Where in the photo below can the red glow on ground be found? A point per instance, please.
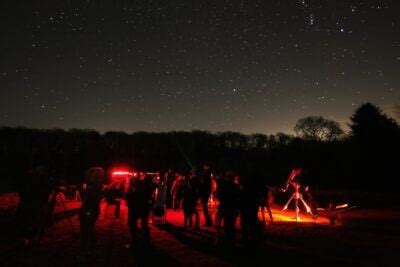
(279, 216)
(290, 216)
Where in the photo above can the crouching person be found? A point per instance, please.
(90, 210)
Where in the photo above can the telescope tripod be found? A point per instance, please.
(49, 217)
(297, 196)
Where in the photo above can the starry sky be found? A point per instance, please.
(217, 65)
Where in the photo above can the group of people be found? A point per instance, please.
(236, 196)
(139, 199)
(186, 191)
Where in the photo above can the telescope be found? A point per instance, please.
(296, 196)
(289, 180)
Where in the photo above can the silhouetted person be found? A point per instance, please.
(229, 200)
(160, 206)
(204, 189)
(140, 203)
(214, 185)
(33, 208)
(91, 197)
(220, 181)
(169, 178)
(189, 204)
(177, 191)
(264, 203)
(112, 194)
(252, 188)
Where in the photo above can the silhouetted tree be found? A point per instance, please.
(258, 141)
(318, 128)
(369, 123)
(283, 139)
(336, 162)
(333, 130)
(375, 139)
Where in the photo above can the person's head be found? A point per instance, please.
(206, 167)
(236, 180)
(148, 178)
(142, 176)
(95, 176)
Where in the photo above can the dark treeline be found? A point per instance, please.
(366, 158)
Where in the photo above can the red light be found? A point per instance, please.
(122, 173)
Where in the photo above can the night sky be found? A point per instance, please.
(248, 66)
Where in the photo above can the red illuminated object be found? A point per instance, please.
(122, 173)
(296, 196)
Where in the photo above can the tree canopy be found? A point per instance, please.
(318, 128)
(369, 123)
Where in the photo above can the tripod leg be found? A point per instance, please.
(270, 212)
(305, 205)
(48, 216)
(69, 219)
(288, 202)
(261, 208)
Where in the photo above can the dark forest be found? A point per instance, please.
(365, 158)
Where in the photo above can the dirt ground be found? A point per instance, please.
(359, 238)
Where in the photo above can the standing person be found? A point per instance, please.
(33, 208)
(77, 194)
(220, 181)
(169, 179)
(264, 203)
(229, 197)
(252, 188)
(140, 203)
(204, 180)
(189, 204)
(160, 199)
(91, 197)
(176, 191)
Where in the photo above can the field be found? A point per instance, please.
(359, 237)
